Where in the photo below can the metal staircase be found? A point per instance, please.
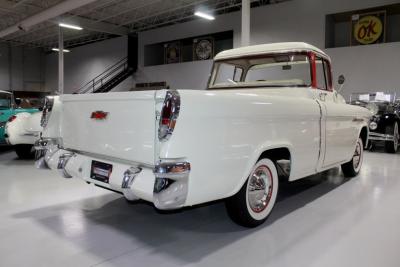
(109, 79)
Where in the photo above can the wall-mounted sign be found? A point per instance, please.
(368, 28)
(172, 53)
(203, 48)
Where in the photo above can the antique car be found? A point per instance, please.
(385, 121)
(266, 107)
(8, 110)
(22, 131)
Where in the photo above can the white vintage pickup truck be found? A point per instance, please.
(269, 114)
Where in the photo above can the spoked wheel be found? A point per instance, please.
(251, 206)
(353, 167)
(392, 146)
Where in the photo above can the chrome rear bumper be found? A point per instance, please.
(166, 184)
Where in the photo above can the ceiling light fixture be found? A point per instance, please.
(204, 15)
(64, 50)
(69, 26)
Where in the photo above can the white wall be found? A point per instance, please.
(367, 68)
(21, 68)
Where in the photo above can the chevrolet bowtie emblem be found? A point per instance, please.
(99, 115)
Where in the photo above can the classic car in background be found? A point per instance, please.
(264, 105)
(384, 124)
(22, 131)
(8, 109)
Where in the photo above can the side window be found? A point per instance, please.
(322, 78)
(227, 74)
(328, 75)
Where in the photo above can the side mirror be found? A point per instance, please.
(18, 101)
(341, 79)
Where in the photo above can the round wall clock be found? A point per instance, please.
(204, 49)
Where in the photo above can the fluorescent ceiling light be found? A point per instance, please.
(204, 15)
(69, 26)
(64, 50)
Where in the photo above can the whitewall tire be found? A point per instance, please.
(254, 202)
(353, 167)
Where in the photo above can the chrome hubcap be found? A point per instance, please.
(357, 156)
(260, 189)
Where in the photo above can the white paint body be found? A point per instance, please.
(25, 129)
(222, 133)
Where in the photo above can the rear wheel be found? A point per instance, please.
(25, 151)
(353, 167)
(251, 206)
(392, 146)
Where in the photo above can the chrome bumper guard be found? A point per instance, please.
(45, 148)
(380, 137)
(171, 184)
(127, 181)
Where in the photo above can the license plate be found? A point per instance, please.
(100, 171)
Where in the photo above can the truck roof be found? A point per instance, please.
(268, 48)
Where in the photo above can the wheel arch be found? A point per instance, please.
(364, 132)
(274, 153)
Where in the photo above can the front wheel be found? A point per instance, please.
(392, 146)
(25, 151)
(251, 206)
(353, 167)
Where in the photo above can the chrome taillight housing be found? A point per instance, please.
(169, 115)
(47, 108)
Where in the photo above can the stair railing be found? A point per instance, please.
(97, 82)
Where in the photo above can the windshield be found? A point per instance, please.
(5, 101)
(359, 98)
(278, 70)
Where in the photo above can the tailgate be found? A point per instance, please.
(120, 125)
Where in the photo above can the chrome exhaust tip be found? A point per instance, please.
(62, 163)
(127, 181)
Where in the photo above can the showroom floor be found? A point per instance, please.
(320, 221)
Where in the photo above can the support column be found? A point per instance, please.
(60, 61)
(245, 36)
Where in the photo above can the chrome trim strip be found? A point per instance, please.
(380, 137)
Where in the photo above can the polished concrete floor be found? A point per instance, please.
(324, 220)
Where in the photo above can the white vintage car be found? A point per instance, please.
(270, 113)
(22, 131)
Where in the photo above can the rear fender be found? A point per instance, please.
(256, 156)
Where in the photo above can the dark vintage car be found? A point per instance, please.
(385, 121)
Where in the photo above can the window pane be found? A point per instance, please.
(291, 70)
(5, 101)
(321, 74)
(288, 70)
(227, 75)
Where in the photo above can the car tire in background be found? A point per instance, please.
(392, 146)
(253, 203)
(353, 167)
(25, 151)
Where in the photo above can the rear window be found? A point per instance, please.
(269, 71)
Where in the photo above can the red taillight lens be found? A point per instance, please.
(169, 115)
(166, 113)
(12, 118)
